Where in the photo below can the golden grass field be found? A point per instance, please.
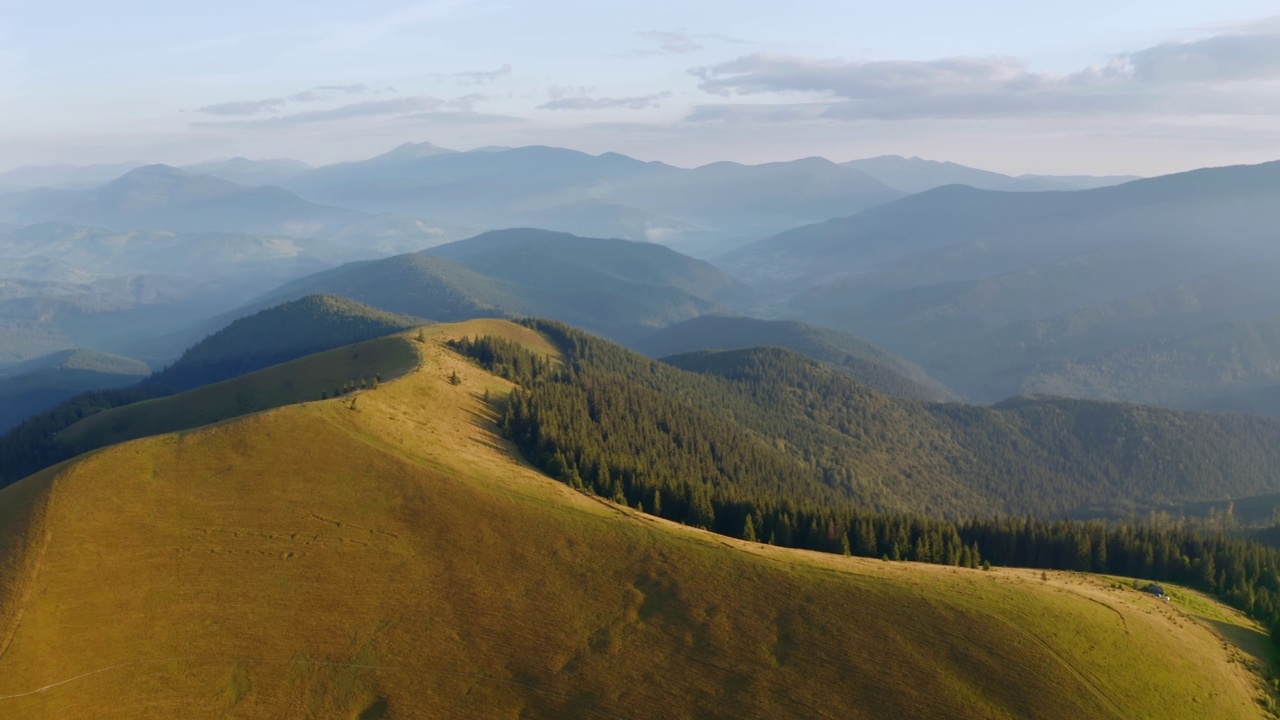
(388, 555)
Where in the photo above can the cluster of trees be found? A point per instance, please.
(354, 383)
(740, 451)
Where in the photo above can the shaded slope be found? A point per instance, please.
(1188, 369)
(37, 385)
(399, 561)
(994, 364)
(865, 362)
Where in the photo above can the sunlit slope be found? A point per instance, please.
(394, 559)
(293, 382)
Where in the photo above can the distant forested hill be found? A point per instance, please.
(1186, 369)
(866, 363)
(618, 288)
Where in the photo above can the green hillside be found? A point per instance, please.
(866, 363)
(284, 332)
(287, 331)
(37, 385)
(95, 420)
(387, 554)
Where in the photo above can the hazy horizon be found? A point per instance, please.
(1144, 89)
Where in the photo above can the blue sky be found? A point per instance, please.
(1084, 87)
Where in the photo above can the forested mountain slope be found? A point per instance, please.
(837, 440)
(866, 363)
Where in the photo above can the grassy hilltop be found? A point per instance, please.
(386, 554)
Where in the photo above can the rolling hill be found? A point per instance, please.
(387, 554)
(618, 288)
(278, 334)
(275, 335)
(865, 362)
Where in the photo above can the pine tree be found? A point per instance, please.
(749, 530)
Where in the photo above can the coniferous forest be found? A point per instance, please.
(767, 446)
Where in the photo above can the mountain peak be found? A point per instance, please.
(414, 151)
(157, 171)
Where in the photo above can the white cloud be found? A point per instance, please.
(670, 43)
(587, 103)
(1223, 74)
(258, 107)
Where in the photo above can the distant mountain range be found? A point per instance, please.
(243, 171)
(159, 197)
(988, 290)
(68, 177)
(701, 210)
(995, 285)
(915, 175)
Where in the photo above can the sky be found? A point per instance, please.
(1089, 87)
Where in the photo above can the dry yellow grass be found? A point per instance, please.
(396, 559)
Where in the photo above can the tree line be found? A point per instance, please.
(619, 426)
